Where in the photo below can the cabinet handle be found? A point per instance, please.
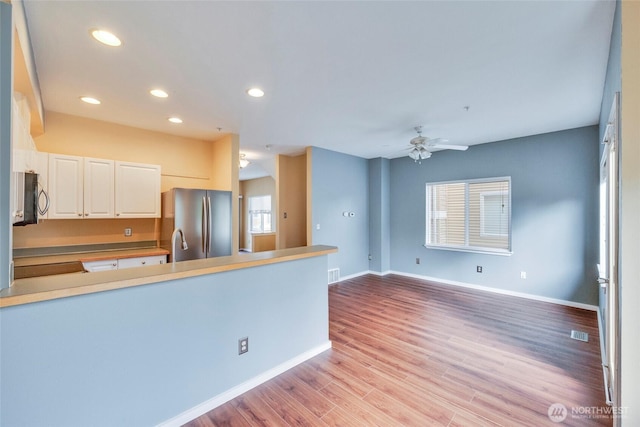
(117, 214)
(86, 214)
(144, 262)
(47, 201)
(114, 264)
(79, 214)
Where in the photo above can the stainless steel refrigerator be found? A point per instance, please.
(198, 220)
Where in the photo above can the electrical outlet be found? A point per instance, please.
(523, 274)
(243, 345)
(128, 232)
(479, 269)
(417, 260)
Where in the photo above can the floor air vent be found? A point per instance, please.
(334, 275)
(580, 336)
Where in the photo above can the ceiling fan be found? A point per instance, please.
(421, 146)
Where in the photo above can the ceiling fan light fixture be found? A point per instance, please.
(414, 154)
(243, 161)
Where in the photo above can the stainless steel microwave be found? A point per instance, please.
(26, 199)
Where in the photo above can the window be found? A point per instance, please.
(470, 215)
(260, 214)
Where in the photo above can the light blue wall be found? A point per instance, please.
(140, 356)
(6, 89)
(340, 184)
(379, 215)
(554, 215)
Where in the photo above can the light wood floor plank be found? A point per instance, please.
(408, 352)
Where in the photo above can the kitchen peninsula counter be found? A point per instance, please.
(31, 290)
(89, 256)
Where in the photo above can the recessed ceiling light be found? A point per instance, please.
(90, 100)
(255, 92)
(105, 37)
(176, 120)
(159, 93)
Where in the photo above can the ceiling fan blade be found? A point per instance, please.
(450, 147)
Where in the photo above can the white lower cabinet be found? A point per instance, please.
(104, 265)
(141, 261)
(119, 264)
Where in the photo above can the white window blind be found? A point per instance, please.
(260, 214)
(470, 215)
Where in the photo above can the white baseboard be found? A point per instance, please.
(236, 391)
(364, 273)
(379, 273)
(500, 291)
(353, 276)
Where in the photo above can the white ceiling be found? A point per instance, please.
(353, 77)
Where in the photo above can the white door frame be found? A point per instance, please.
(608, 266)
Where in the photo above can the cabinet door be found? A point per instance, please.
(98, 188)
(137, 190)
(24, 149)
(65, 186)
(104, 265)
(141, 261)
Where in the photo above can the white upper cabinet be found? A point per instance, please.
(24, 148)
(66, 176)
(137, 190)
(98, 188)
(83, 187)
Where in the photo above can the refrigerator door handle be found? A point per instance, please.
(208, 225)
(204, 226)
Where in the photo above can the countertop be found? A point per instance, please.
(88, 256)
(36, 289)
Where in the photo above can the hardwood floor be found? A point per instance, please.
(412, 353)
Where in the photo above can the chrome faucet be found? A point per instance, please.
(183, 242)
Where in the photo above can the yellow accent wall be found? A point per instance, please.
(185, 162)
(225, 172)
(65, 232)
(291, 192)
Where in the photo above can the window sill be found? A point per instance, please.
(475, 251)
